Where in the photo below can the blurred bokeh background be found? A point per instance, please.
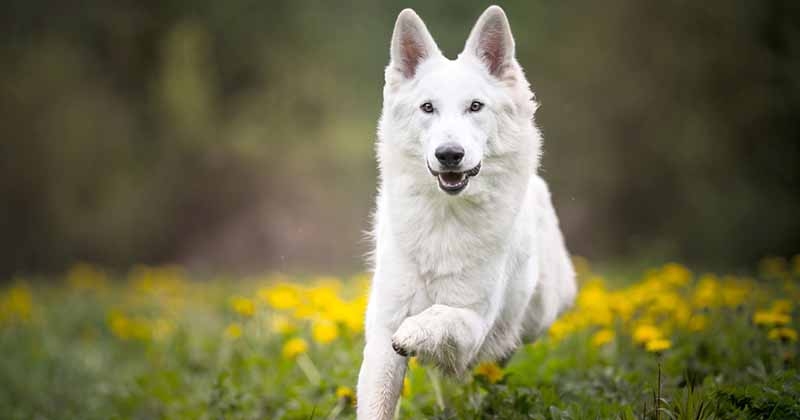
(238, 136)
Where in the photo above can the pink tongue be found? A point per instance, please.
(451, 177)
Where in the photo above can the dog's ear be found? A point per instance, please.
(411, 44)
(491, 41)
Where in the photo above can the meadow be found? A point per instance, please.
(159, 343)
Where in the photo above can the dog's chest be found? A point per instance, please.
(446, 242)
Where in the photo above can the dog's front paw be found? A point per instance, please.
(410, 339)
(400, 350)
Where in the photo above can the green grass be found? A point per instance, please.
(157, 344)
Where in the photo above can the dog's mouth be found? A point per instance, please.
(453, 182)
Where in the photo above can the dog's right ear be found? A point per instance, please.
(411, 45)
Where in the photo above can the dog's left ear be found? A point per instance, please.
(491, 41)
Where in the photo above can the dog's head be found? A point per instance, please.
(453, 116)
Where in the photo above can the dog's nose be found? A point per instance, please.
(449, 154)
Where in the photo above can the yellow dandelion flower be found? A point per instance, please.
(346, 393)
(129, 328)
(304, 310)
(621, 305)
(675, 274)
(560, 329)
(735, 290)
(413, 363)
(323, 296)
(406, 387)
(782, 306)
(646, 332)
(603, 337)
(489, 370)
(707, 292)
(782, 334)
(119, 325)
(16, 304)
(354, 319)
(244, 307)
(593, 294)
(281, 296)
(324, 331)
(770, 318)
(233, 331)
(658, 345)
(350, 314)
(294, 347)
(698, 323)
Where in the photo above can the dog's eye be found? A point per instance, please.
(427, 107)
(475, 106)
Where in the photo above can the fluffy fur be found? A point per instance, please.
(465, 277)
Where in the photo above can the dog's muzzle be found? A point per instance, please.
(453, 182)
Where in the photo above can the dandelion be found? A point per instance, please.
(735, 290)
(621, 306)
(233, 331)
(350, 314)
(603, 337)
(413, 363)
(645, 333)
(129, 328)
(782, 334)
(675, 274)
(698, 323)
(706, 293)
(782, 306)
(406, 387)
(346, 394)
(324, 331)
(119, 325)
(244, 307)
(16, 304)
(768, 318)
(561, 328)
(281, 296)
(489, 370)
(658, 345)
(294, 347)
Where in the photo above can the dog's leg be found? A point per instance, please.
(380, 379)
(447, 335)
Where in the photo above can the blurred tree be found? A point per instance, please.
(239, 135)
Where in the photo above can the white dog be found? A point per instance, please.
(469, 258)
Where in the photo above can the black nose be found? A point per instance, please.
(449, 154)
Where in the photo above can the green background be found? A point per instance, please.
(238, 135)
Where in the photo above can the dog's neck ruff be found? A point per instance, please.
(447, 235)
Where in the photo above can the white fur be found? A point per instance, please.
(467, 277)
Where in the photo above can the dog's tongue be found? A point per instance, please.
(451, 177)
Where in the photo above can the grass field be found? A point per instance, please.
(154, 343)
